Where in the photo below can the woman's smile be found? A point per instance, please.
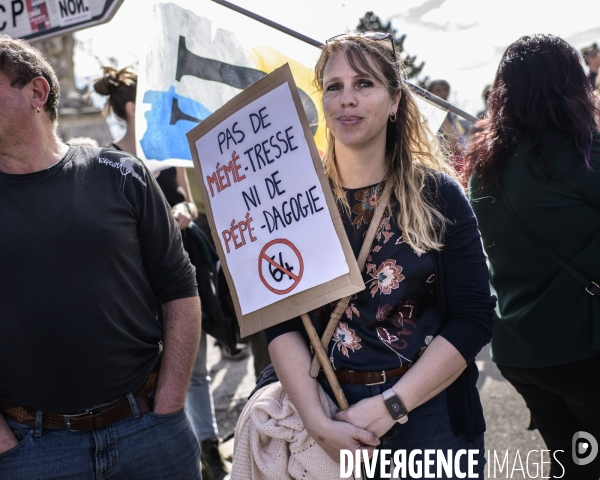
(349, 120)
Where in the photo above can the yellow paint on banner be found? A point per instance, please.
(268, 59)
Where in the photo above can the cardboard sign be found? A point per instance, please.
(271, 210)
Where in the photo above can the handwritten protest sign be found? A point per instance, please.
(271, 210)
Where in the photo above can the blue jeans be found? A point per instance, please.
(199, 403)
(428, 427)
(148, 447)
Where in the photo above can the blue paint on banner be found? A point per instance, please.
(169, 119)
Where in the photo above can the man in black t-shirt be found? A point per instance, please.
(87, 245)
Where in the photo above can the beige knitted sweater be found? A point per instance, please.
(271, 442)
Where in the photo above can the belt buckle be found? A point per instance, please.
(378, 383)
(67, 418)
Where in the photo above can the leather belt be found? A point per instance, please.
(366, 378)
(90, 420)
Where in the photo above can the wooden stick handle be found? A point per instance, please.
(322, 356)
(338, 311)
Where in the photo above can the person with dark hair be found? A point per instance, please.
(591, 57)
(403, 348)
(534, 168)
(92, 384)
(440, 88)
(21, 63)
(120, 88)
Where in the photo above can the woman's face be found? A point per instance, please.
(357, 106)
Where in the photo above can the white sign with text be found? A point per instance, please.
(41, 19)
(267, 202)
(73, 11)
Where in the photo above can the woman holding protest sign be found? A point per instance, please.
(404, 347)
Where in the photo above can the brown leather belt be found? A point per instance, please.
(366, 378)
(90, 420)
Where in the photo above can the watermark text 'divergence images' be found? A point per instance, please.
(431, 463)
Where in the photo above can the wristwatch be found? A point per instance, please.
(395, 407)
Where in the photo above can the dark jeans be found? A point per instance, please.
(563, 400)
(428, 427)
(150, 447)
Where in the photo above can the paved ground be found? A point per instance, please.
(507, 420)
(506, 415)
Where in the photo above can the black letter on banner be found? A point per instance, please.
(262, 117)
(188, 63)
(177, 114)
(14, 3)
(274, 184)
(254, 199)
(4, 24)
(63, 8)
(252, 117)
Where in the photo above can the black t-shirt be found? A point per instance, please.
(85, 247)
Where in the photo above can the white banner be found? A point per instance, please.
(199, 56)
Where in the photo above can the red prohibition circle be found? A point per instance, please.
(265, 257)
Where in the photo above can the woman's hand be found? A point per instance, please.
(369, 414)
(182, 215)
(333, 436)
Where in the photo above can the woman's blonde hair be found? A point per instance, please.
(412, 153)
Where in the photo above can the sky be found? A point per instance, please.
(460, 41)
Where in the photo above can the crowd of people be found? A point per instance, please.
(109, 272)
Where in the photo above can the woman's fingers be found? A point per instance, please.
(335, 436)
(366, 438)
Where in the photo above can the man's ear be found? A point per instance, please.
(40, 90)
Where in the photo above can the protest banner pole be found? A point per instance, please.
(270, 23)
(315, 43)
(441, 103)
(322, 356)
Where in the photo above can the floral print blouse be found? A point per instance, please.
(392, 321)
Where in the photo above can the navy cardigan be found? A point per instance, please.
(466, 307)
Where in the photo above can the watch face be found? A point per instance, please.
(395, 407)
